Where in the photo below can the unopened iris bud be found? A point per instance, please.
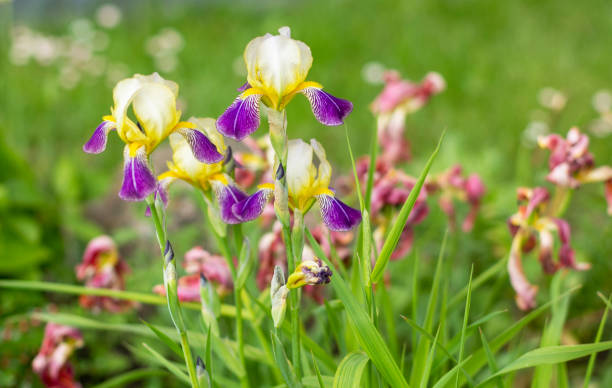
(210, 304)
(309, 272)
(278, 296)
(202, 374)
(168, 252)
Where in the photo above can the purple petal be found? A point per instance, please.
(241, 118)
(228, 196)
(97, 141)
(138, 179)
(244, 87)
(252, 206)
(337, 215)
(203, 149)
(329, 110)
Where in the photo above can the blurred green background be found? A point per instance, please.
(61, 59)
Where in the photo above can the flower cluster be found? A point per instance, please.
(398, 99)
(51, 363)
(103, 268)
(534, 225)
(199, 262)
(538, 218)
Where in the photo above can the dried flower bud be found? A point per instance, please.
(278, 295)
(311, 272)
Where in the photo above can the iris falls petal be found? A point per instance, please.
(203, 149)
(337, 215)
(251, 207)
(227, 196)
(138, 179)
(97, 141)
(241, 118)
(328, 110)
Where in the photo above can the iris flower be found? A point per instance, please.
(306, 184)
(277, 67)
(153, 101)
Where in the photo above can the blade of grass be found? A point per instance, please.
(490, 358)
(317, 371)
(283, 362)
(429, 362)
(167, 364)
(124, 379)
(372, 167)
(164, 338)
(226, 310)
(602, 324)
(466, 315)
(474, 362)
(498, 267)
(334, 324)
(551, 355)
(350, 370)
(400, 222)
(543, 374)
(369, 338)
(420, 355)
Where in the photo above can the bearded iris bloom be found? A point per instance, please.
(306, 185)
(277, 68)
(153, 102)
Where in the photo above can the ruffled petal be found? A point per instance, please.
(252, 207)
(97, 141)
(138, 179)
(203, 149)
(241, 118)
(337, 215)
(227, 196)
(328, 110)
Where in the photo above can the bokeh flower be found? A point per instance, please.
(533, 226)
(51, 363)
(398, 99)
(277, 67)
(571, 164)
(153, 101)
(103, 268)
(199, 262)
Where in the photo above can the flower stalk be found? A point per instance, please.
(169, 270)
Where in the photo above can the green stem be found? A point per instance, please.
(294, 302)
(161, 239)
(238, 302)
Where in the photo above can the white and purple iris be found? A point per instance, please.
(277, 67)
(153, 101)
(306, 184)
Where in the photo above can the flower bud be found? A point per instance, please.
(202, 374)
(278, 296)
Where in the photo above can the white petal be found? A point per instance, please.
(299, 167)
(155, 108)
(324, 176)
(277, 63)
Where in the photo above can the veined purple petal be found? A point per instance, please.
(203, 149)
(337, 215)
(97, 141)
(138, 179)
(252, 207)
(241, 118)
(228, 196)
(328, 110)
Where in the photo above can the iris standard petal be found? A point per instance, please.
(138, 179)
(203, 149)
(252, 207)
(241, 118)
(337, 215)
(227, 196)
(155, 107)
(328, 110)
(97, 141)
